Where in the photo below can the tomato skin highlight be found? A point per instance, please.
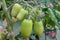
(26, 28)
(15, 9)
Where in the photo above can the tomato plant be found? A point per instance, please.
(27, 18)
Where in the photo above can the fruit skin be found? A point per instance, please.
(26, 28)
(38, 28)
(15, 9)
(21, 14)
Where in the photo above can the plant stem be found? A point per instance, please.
(8, 18)
(38, 38)
(27, 39)
(36, 2)
(45, 20)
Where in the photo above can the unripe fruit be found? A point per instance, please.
(15, 9)
(21, 14)
(26, 28)
(38, 28)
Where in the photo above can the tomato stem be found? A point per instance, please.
(27, 39)
(8, 18)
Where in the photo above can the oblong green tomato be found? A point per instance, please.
(26, 28)
(38, 28)
(21, 14)
(15, 9)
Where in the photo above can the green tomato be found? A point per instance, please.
(38, 27)
(15, 9)
(26, 28)
(21, 14)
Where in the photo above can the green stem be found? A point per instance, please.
(45, 28)
(38, 38)
(36, 2)
(8, 18)
(45, 20)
